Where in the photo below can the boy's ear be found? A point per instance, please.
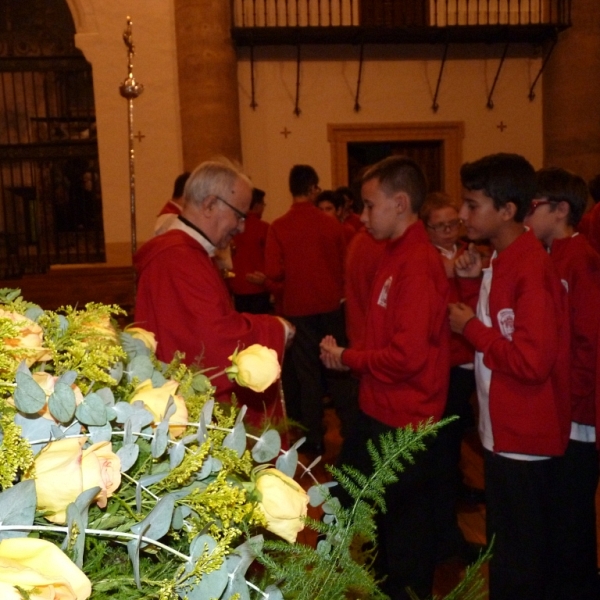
(402, 201)
(508, 211)
(563, 208)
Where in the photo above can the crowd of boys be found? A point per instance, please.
(428, 319)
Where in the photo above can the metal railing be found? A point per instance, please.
(399, 13)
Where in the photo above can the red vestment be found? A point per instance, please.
(182, 298)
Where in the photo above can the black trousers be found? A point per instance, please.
(576, 571)
(522, 513)
(256, 304)
(304, 378)
(450, 539)
(406, 532)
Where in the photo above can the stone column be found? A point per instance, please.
(571, 96)
(208, 88)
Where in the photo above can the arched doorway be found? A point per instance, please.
(50, 198)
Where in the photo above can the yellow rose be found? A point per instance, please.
(256, 367)
(155, 400)
(284, 503)
(101, 329)
(41, 569)
(63, 471)
(30, 338)
(145, 336)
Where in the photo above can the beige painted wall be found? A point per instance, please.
(99, 25)
(392, 91)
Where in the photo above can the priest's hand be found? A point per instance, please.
(331, 354)
(257, 278)
(289, 329)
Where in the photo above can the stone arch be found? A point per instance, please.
(84, 16)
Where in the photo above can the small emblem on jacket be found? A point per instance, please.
(383, 295)
(506, 322)
(565, 284)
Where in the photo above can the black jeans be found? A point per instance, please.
(406, 532)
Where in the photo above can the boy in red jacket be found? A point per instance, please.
(553, 216)
(520, 334)
(403, 365)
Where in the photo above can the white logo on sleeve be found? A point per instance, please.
(383, 295)
(506, 322)
(565, 284)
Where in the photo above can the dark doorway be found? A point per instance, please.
(427, 153)
(50, 198)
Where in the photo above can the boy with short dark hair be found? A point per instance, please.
(554, 214)
(403, 365)
(520, 334)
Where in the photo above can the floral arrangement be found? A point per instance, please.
(122, 478)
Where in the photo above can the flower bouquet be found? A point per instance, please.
(122, 478)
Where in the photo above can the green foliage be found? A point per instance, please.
(334, 572)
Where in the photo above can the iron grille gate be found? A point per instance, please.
(50, 200)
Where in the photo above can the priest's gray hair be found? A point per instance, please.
(213, 178)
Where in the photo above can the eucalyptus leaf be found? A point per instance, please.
(107, 396)
(34, 313)
(92, 411)
(267, 447)
(62, 403)
(247, 553)
(133, 549)
(328, 519)
(158, 379)
(17, 507)
(159, 519)
(123, 410)
(140, 367)
(236, 439)
(273, 593)
(332, 506)
(63, 323)
(128, 454)
(201, 383)
(29, 397)
(324, 548)
(206, 469)
(56, 431)
(241, 414)
(202, 433)
(207, 410)
(128, 437)
(176, 454)
(210, 586)
(116, 372)
(200, 544)
(288, 462)
(100, 434)
(318, 493)
(160, 439)
(68, 378)
(236, 584)
(33, 429)
(140, 417)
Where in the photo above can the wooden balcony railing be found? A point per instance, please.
(397, 21)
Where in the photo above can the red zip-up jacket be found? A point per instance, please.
(405, 363)
(578, 266)
(529, 390)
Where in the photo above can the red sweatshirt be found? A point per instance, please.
(405, 364)
(529, 389)
(305, 251)
(182, 298)
(362, 260)
(248, 255)
(578, 266)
